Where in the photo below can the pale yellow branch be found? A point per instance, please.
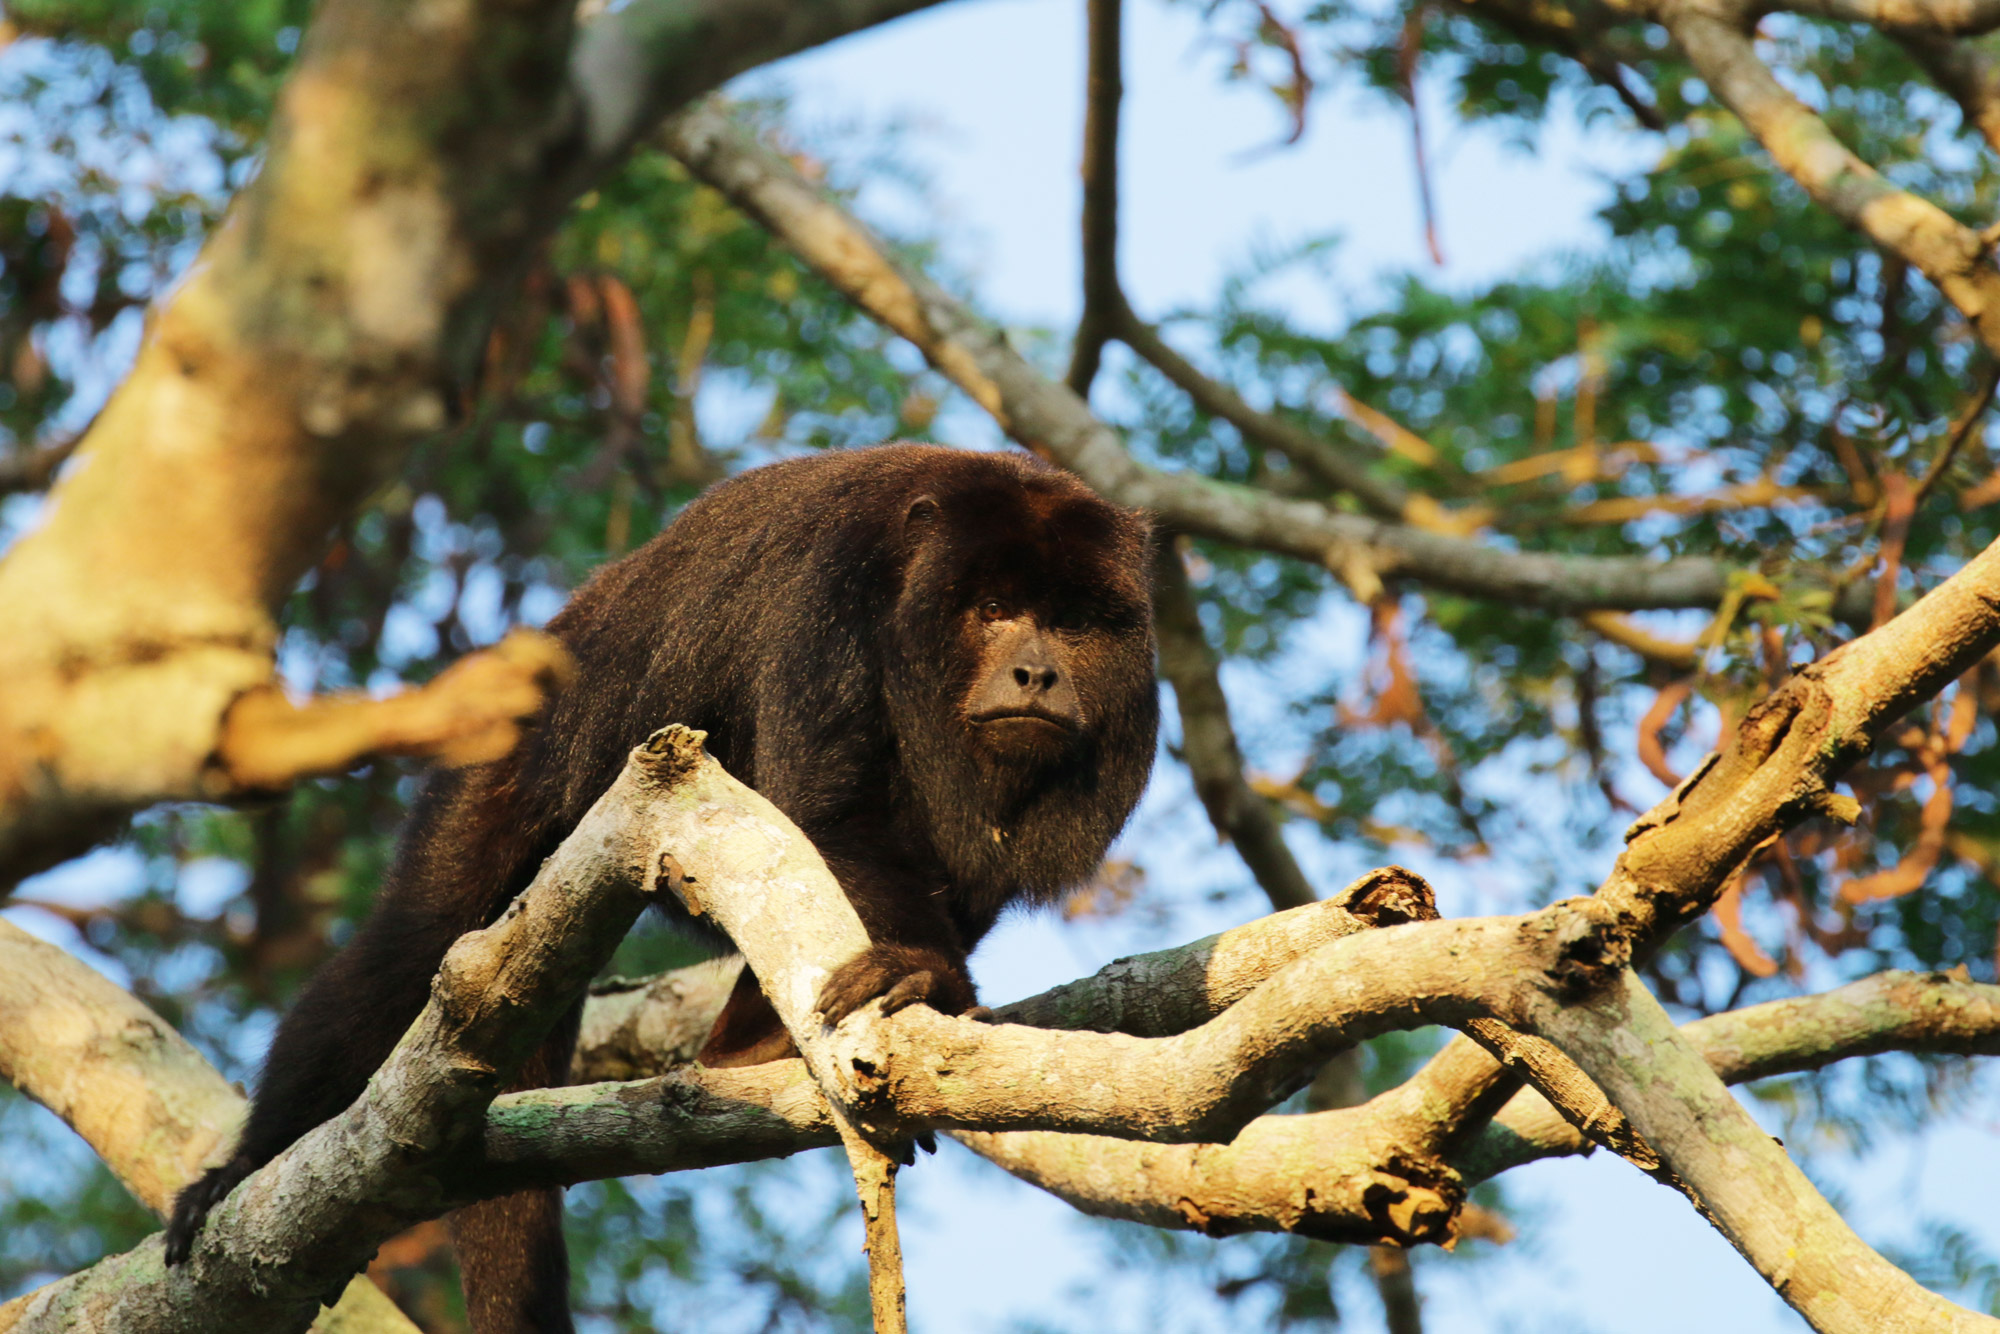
(473, 712)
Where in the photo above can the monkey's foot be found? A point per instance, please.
(901, 975)
(191, 1206)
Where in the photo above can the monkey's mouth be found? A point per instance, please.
(1025, 723)
(1025, 733)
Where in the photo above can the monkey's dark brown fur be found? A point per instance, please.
(938, 664)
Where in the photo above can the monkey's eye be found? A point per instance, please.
(992, 610)
(1071, 619)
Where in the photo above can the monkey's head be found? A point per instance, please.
(1020, 676)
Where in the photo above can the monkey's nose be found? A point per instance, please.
(1035, 679)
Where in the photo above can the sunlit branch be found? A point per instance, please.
(1718, 41)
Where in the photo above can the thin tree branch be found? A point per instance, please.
(1104, 91)
(1208, 741)
(1046, 417)
(1717, 40)
(1322, 459)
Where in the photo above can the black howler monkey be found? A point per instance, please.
(938, 664)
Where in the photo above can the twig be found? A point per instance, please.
(1961, 431)
(875, 1184)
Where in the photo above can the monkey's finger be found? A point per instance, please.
(908, 990)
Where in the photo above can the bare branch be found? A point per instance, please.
(132, 1087)
(1048, 418)
(471, 713)
(1371, 1173)
(1894, 1011)
(1779, 768)
(1746, 1185)
(634, 63)
(1104, 91)
(1208, 741)
(632, 1029)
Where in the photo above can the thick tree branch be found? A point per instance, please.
(132, 1087)
(312, 1217)
(335, 318)
(1048, 418)
(1361, 1174)
(1743, 1180)
(1779, 768)
(634, 1028)
(634, 63)
(473, 712)
(1340, 1175)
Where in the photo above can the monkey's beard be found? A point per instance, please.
(1007, 825)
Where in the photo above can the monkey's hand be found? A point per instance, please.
(191, 1206)
(902, 975)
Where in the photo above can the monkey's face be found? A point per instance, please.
(1037, 611)
(1018, 669)
(1023, 706)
